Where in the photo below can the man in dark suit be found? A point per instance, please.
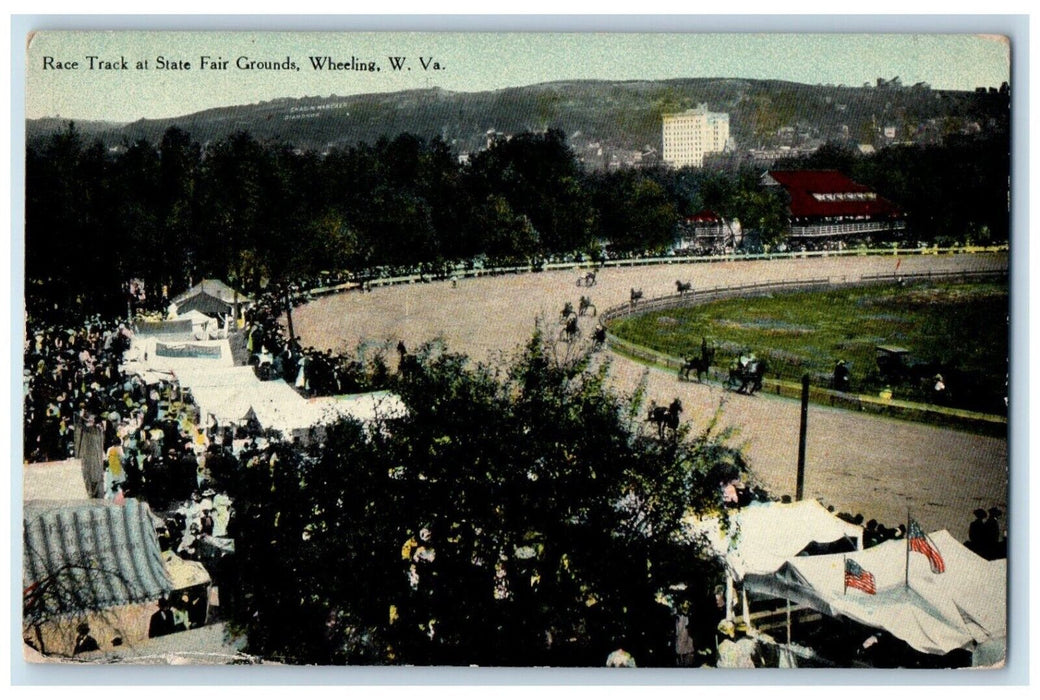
(162, 620)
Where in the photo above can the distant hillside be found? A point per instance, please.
(594, 114)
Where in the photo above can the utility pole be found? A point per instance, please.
(803, 429)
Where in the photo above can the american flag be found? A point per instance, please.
(917, 541)
(858, 577)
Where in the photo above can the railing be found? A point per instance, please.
(701, 296)
(831, 229)
(462, 273)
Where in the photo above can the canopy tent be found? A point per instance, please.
(203, 327)
(149, 356)
(273, 402)
(933, 613)
(234, 395)
(82, 556)
(54, 481)
(363, 407)
(762, 536)
(184, 573)
(204, 375)
(209, 297)
(178, 330)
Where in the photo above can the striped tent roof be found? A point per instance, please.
(88, 555)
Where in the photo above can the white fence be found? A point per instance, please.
(462, 273)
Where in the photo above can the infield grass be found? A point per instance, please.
(959, 329)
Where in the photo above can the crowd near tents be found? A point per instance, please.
(110, 564)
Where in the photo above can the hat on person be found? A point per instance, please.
(727, 628)
(995, 512)
(980, 513)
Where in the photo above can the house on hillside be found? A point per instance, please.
(825, 208)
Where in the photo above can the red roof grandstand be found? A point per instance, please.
(829, 194)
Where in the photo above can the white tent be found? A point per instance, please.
(150, 355)
(203, 327)
(53, 481)
(184, 573)
(762, 536)
(363, 407)
(933, 613)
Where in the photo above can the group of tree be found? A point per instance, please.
(258, 212)
(517, 515)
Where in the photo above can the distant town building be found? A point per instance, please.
(687, 136)
(825, 206)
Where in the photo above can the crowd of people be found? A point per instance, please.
(135, 439)
(70, 377)
(985, 534)
(314, 372)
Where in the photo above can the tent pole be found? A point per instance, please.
(746, 612)
(906, 580)
(803, 429)
(788, 620)
(729, 596)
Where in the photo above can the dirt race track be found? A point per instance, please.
(856, 462)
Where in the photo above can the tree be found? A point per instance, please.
(517, 515)
(634, 211)
(541, 179)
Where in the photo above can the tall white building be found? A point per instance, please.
(688, 135)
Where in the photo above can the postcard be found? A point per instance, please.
(522, 350)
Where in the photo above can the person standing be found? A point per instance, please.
(997, 547)
(685, 652)
(162, 622)
(977, 535)
(84, 641)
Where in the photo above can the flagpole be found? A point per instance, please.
(906, 536)
(845, 573)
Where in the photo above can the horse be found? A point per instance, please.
(665, 417)
(570, 331)
(747, 378)
(584, 305)
(683, 287)
(699, 364)
(634, 295)
(599, 336)
(587, 280)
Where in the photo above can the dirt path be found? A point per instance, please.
(861, 463)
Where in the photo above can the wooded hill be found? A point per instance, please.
(617, 115)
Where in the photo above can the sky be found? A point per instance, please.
(60, 80)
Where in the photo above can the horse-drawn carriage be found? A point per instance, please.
(587, 280)
(897, 366)
(745, 375)
(893, 362)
